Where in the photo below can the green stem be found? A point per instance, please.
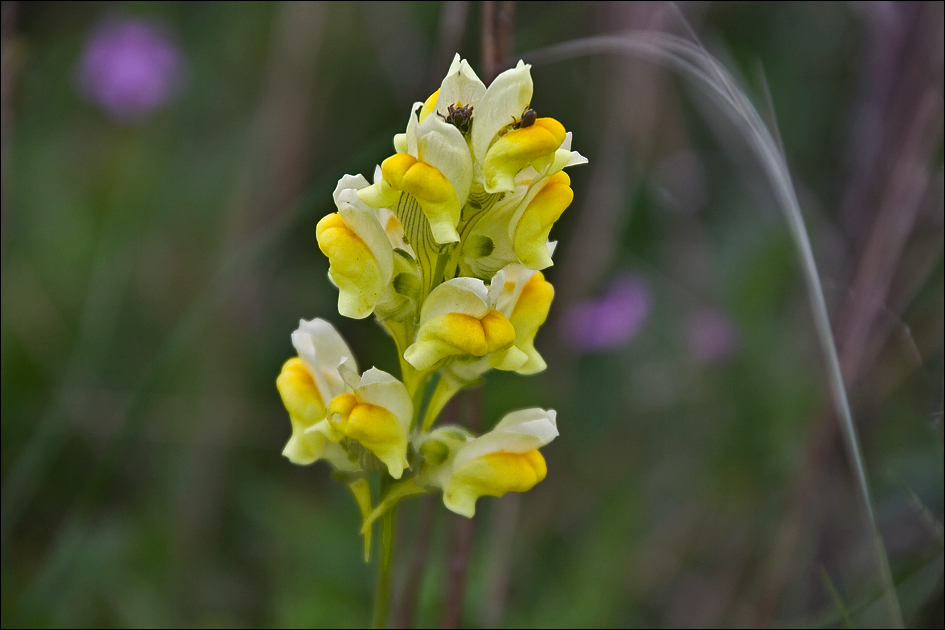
(440, 270)
(382, 593)
(441, 395)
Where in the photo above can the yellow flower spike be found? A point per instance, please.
(530, 236)
(377, 415)
(504, 460)
(520, 148)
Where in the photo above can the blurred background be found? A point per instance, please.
(164, 166)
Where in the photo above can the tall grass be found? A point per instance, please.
(693, 62)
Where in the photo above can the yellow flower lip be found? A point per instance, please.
(454, 334)
(493, 474)
(405, 172)
(434, 192)
(530, 235)
(375, 427)
(518, 148)
(299, 393)
(354, 268)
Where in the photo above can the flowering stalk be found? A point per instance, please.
(445, 248)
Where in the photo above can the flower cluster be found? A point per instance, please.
(445, 248)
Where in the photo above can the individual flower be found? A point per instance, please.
(130, 68)
(504, 139)
(525, 299)
(434, 169)
(514, 227)
(610, 321)
(504, 460)
(375, 412)
(358, 250)
(307, 384)
(459, 319)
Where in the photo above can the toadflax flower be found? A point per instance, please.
(504, 460)
(445, 247)
(307, 384)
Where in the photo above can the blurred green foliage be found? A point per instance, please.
(152, 274)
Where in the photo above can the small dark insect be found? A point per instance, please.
(459, 116)
(529, 116)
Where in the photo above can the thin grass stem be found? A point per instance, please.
(695, 63)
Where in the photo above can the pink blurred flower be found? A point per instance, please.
(129, 67)
(711, 334)
(610, 321)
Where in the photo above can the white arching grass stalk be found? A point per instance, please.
(695, 63)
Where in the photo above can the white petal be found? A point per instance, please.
(382, 389)
(502, 104)
(518, 432)
(357, 182)
(461, 86)
(516, 276)
(440, 144)
(322, 349)
(400, 143)
(411, 135)
(364, 222)
(459, 295)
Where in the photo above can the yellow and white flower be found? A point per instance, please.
(459, 320)
(433, 166)
(358, 250)
(504, 460)
(307, 384)
(375, 412)
(514, 227)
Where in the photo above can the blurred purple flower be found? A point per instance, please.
(129, 67)
(610, 321)
(712, 335)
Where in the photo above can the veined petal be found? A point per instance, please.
(434, 192)
(519, 148)
(500, 106)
